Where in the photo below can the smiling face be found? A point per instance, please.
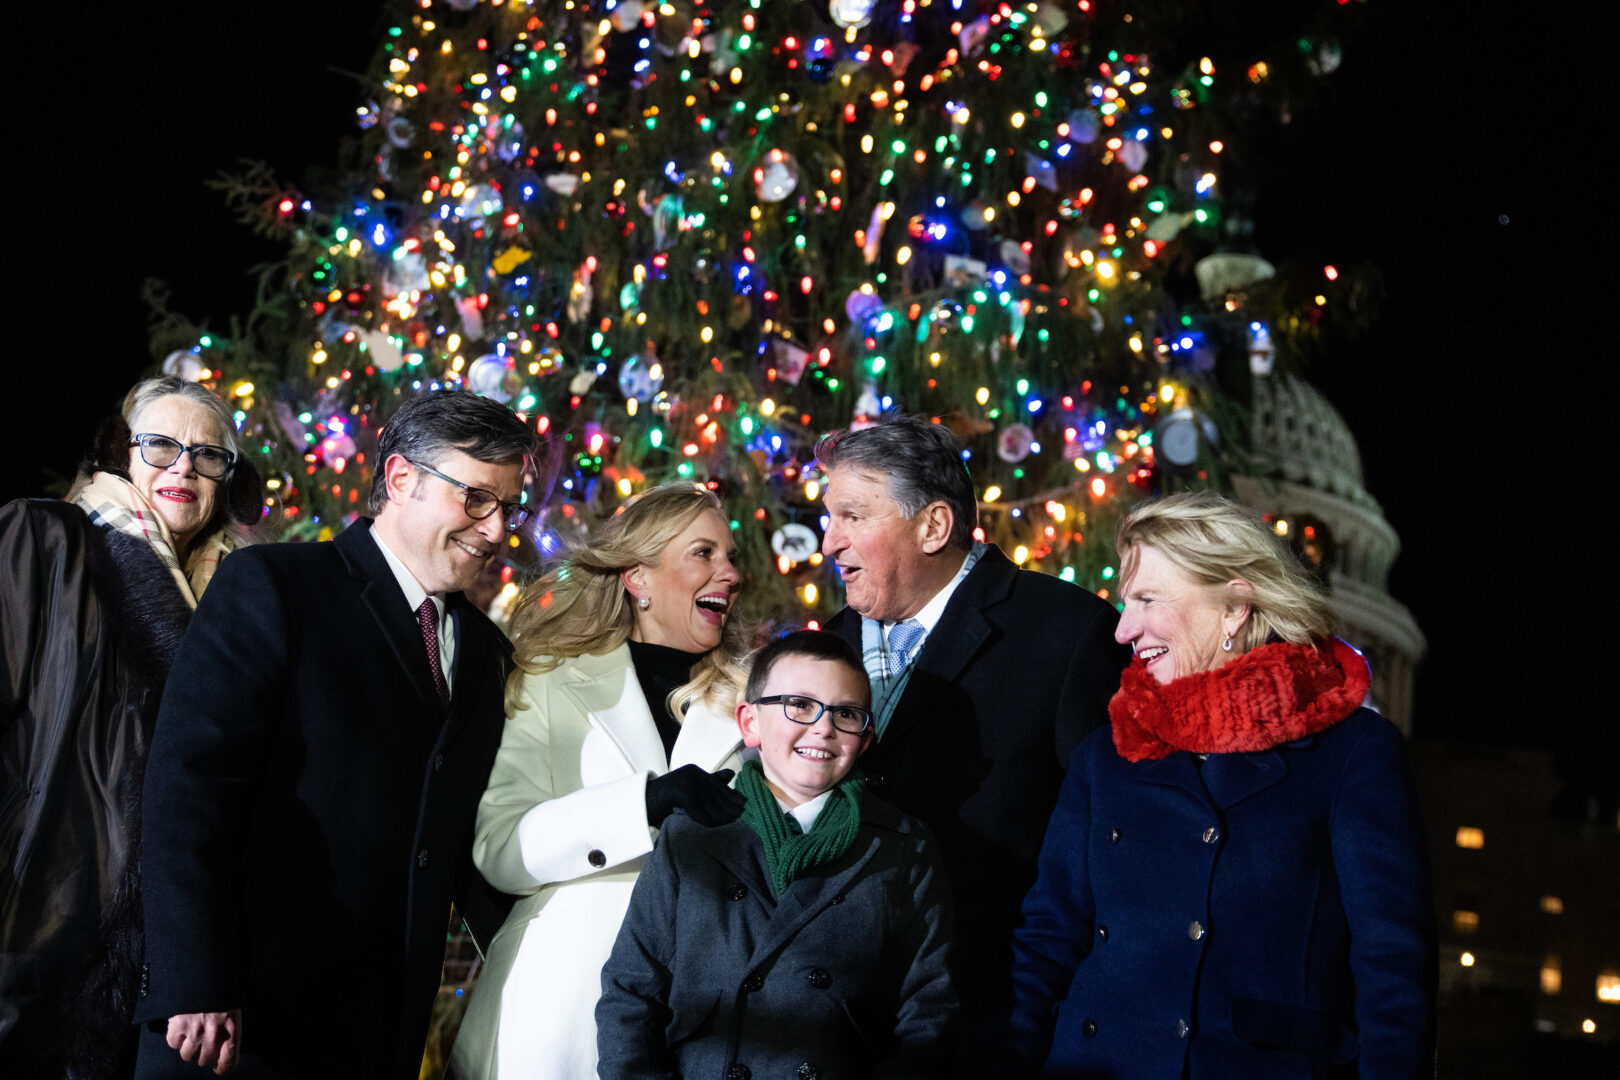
(891, 565)
(184, 500)
(425, 520)
(800, 761)
(1174, 623)
(690, 590)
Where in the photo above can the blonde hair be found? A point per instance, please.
(582, 607)
(1214, 541)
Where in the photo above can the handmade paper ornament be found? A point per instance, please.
(1014, 257)
(1133, 154)
(480, 201)
(973, 34)
(1165, 228)
(1013, 444)
(1084, 125)
(1050, 19)
(1041, 170)
(472, 317)
(641, 376)
(1230, 271)
(961, 270)
(862, 304)
(1325, 58)
(848, 13)
(874, 234)
(184, 364)
(400, 131)
(494, 377)
(789, 361)
(385, 355)
(777, 177)
(1176, 440)
(463, 5)
(627, 15)
(794, 542)
(581, 383)
(902, 53)
(973, 216)
(580, 295)
(562, 183)
(288, 422)
(666, 215)
(510, 259)
(405, 274)
(867, 408)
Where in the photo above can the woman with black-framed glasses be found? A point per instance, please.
(98, 590)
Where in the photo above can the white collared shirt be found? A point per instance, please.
(414, 595)
(806, 812)
(930, 614)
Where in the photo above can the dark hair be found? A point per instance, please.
(817, 645)
(429, 425)
(922, 462)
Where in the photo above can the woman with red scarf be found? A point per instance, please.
(1234, 882)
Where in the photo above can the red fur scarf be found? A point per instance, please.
(1270, 695)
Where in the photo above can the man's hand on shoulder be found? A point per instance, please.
(212, 1040)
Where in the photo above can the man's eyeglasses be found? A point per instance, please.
(160, 451)
(850, 719)
(481, 503)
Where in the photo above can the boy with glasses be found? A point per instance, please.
(811, 937)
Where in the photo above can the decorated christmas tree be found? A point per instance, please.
(685, 239)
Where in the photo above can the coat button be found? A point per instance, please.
(738, 1072)
(596, 859)
(1182, 1029)
(1211, 835)
(1113, 836)
(737, 891)
(1102, 933)
(808, 1071)
(1089, 1029)
(754, 983)
(820, 978)
(146, 979)
(1195, 930)
(421, 857)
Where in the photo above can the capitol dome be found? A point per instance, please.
(1304, 473)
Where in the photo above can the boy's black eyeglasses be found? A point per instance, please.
(481, 503)
(160, 451)
(850, 719)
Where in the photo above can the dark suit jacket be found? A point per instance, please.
(1018, 672)
(845, 976)
(1272, 909)
(309, 811)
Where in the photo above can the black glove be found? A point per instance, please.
(704, 796)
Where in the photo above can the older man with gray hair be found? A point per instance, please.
(985, 677)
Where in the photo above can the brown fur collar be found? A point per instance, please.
(1270, 695)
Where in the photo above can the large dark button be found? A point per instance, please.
(820, 978)
(1211, 835)
(737, 891)
(1102, 933)
(1182, 1029)
(1089, 1029)
(1195, 930)
(754, 983)
(146, 979)
(421, 857)
(808, 1071)
(738, 1072)
(596, 859)
(1113, 836)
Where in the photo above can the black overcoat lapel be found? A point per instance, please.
(386, 602)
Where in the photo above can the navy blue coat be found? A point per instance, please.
(1264, 915)
(845, 976)
(309, 813)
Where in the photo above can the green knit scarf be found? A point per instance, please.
(788, 854)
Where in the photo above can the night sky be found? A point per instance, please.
(1441, 160)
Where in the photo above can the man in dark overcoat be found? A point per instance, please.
(325, 735)
(985, 677)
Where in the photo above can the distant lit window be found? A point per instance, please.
(1589, 1025)
(1465, 922)
(1470, 837)
(1467, 959)
(1552, 975)
(1552, 905)
(1608, 985)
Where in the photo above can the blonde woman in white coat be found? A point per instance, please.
(621, 711)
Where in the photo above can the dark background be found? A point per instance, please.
(1451, 157)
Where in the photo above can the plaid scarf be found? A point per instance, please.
(887, 687)
(790, 854)
(113, 503)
